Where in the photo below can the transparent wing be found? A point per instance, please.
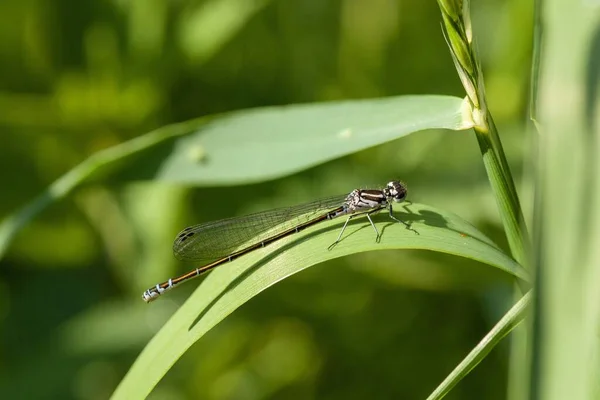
(213, 240)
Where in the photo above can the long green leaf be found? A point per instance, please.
(251, 145)
(267, 143)
(228, 287)
(565, 362)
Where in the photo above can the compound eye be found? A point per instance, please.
(397, 190)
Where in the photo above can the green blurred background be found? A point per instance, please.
(81, 76)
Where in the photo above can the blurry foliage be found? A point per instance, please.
(80, 76)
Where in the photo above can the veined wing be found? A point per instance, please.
(217, 239)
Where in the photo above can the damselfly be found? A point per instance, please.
(219, 242)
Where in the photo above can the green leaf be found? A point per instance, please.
(509, 321)
(251, 145)
(267, 143)
(230, 286)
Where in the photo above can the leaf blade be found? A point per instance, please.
(218, 150)
(229, 287)
(284, 140)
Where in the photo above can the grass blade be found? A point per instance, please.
(250, 145)
(227, 288)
